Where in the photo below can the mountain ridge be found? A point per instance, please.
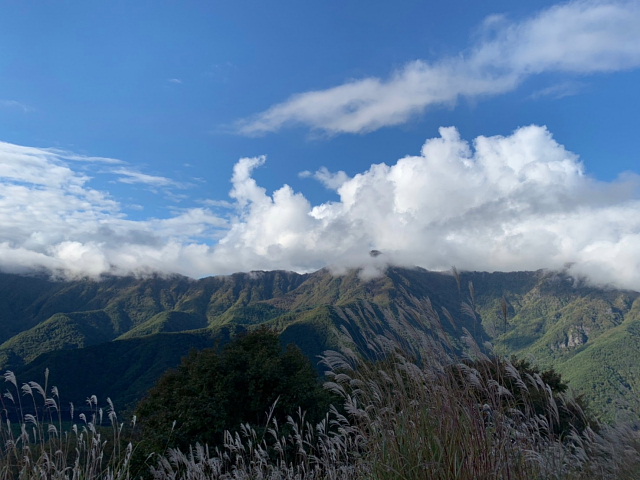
(550, 316)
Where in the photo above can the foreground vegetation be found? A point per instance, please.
(410, 413)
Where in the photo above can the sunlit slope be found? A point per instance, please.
(41, 315)
(589, 334)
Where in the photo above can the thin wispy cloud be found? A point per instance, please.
(127, 175)
(575, 38)
(67, 155)
(560, 90)
(43, 167)
(221, 72)
(14, 104)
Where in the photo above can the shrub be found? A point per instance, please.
(401, 419)
(405, 420)
(213, 391)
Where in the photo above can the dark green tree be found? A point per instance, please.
(212, 391)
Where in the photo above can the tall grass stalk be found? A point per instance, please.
(37, 443)
(408, 410)
(413, 413)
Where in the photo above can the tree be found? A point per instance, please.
(213, 391)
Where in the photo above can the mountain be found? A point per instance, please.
(590, 335)
(56, 315)
(116, 336)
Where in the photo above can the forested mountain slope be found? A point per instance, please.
(123, 332)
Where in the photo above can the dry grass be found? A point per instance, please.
(405, 419)
(37, 445)
(412, 413)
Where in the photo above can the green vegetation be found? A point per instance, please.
(532, 392)
(63, 331)
(482, 418)
(166, 322)
(607, 372)
(122, 370)
(213, 391)
(587, 334)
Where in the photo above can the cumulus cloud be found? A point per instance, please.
(514, 202)
(506, 203)
(331, 180)
(579, 37)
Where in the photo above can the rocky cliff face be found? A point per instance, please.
(576, 336)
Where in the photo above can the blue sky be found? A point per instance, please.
(210, 137)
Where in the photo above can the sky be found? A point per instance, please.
(211, 137)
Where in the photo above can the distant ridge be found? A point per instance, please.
(124, 331)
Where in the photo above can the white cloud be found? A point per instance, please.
(51, 219)
(331, 180)
(579, 37)
(14, 104)
(513, 202)
(559, 90)
(130, 176)
(501, 203)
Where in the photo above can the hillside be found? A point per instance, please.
(116, 336)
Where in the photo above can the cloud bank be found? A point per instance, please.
(514, 202)
(579, 37)
(52, 220)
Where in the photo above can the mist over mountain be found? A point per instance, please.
(505, 202)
